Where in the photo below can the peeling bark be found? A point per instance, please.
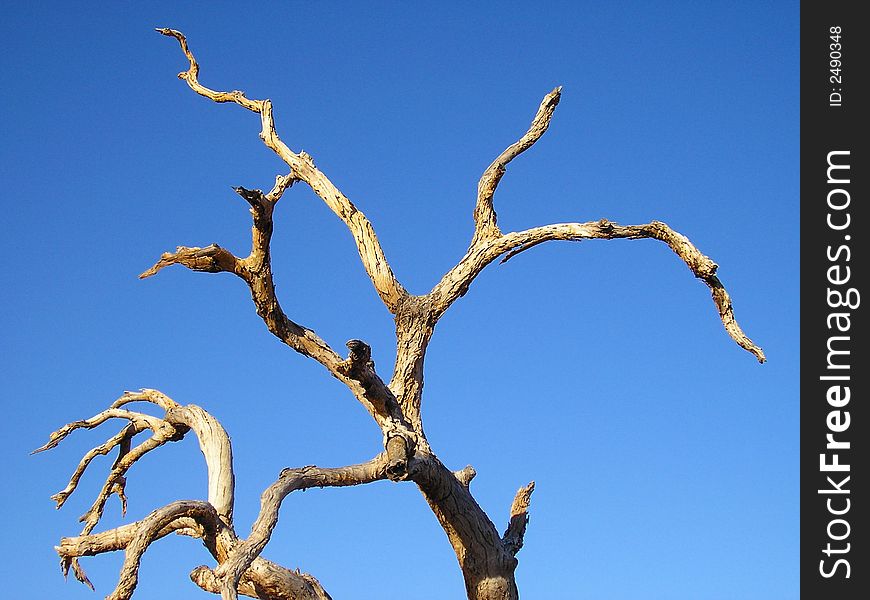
(487, 560)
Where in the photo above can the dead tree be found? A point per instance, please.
(486, 556)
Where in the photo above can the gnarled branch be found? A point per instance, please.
(456, 282)
(263, 579)
(150, 529)
(256, 269)
(177, 421)
(266, 580)
(114, 484)
(303, 169)
(211, 259)
(211, 520)
(290, 480)
(487, 559)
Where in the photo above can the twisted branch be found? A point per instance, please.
(456, 282)
(256, 271)
(115, 481)
(289, 481)
(153, 527)
(211, 520)
(303, 169)
(256, 268)
(263, 579)
(487, 559)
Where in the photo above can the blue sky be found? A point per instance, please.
(666, 458)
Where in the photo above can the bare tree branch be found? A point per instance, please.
(282, 184)
(71, 549)
(140, 420)
(211, 259)
(266, 580)
(456, 282)
(150, 529)
(465, 475)
(214, 443)
(208, 581)
(213, 440)
(290, 480)
(263, 579)
(487, 559)
(485, 225)
(211, 520)
(155, 397)
(112, 540)
(516, 530)
(370, 251)
(115, 481)
(122, 436)
(256, 271)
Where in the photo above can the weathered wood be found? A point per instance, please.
(487, 560)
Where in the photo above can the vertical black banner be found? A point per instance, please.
(835, 370)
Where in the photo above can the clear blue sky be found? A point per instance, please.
(666, 457)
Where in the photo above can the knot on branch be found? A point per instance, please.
(465, 475)
(400, 446)
(282, 184)
(360, 367)
(359, 364)
(605, 225)
(706, 268)
(176, 418)
(360, 353)
(262, 206)
(256, 198)
(700, 264)
(307, 159)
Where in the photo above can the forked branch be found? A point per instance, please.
(456, 282)
(487, 559)
(263, 579)
(256, 269)
(489, 243)
(303, 169)
(485, 222)
(289, 481)
(209, 520)
(150, 529)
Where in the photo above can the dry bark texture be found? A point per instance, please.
(487, 559)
